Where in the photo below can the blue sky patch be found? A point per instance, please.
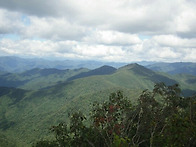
(26, 21)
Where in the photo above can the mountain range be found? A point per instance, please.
(174, 68)
(33, 100)
(16, 65)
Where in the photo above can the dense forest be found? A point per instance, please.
(34, 100)
(161, 117)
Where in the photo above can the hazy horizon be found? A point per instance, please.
(91, 60)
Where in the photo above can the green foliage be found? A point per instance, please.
(160, 118)
(6, 142)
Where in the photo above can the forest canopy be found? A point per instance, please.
(161, 117)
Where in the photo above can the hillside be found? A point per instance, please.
(26, 115)
(37, 78)
(187, 82)
(104, 70)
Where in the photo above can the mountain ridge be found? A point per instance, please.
(17, 64)
(174, 68)
(103, 70)
(37, 78)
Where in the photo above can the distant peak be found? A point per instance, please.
(130, 66)
(137, 69)
(105, 69)
(33, 70)
(106, 66)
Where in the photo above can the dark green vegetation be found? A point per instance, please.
(175, 68)
(104, 70)
(37, 78)
(160, 118)
(27, 113)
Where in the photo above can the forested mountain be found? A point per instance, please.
(161, 117)
(104, 70)
(37, 78)
(174, 68)
(26, 114)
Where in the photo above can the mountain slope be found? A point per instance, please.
(37, 78)
(186, 82)
(104, 70)
(148, 74)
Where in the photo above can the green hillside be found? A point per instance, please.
(104, 70)
(37, 78)
(186, 82)
(26, 115)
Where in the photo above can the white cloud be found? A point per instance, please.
(190, 55)
(175, 41)
(164, 53)
(184, 23)
(97, 51)
(111, 37)
(141, 16)
(101, 30)
(146, 50)
(53, 28)
(10, 22)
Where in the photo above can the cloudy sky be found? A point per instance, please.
(105, 30)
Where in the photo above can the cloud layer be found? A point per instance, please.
(109, 30)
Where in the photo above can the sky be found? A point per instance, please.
(103, 30)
